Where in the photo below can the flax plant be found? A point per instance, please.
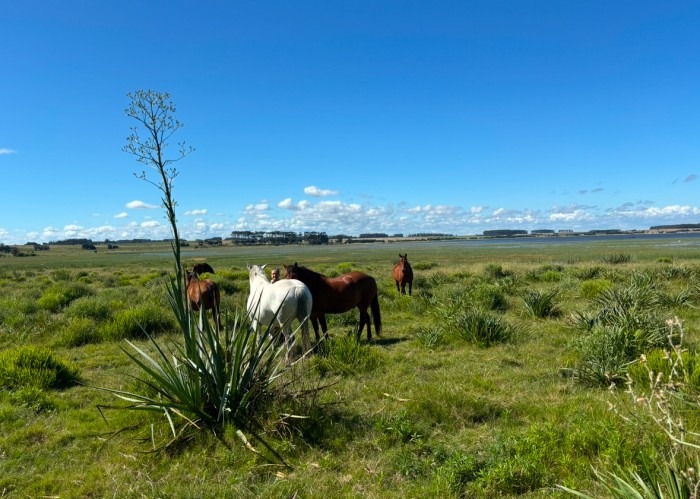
(216, 375)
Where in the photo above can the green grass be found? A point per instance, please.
(465, 394)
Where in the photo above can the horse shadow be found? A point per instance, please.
(385, 342)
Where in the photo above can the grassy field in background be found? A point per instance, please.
(425, 410)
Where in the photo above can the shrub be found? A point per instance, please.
(34, 367)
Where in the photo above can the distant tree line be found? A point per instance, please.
(677, 226)
(69, 242)
(12, 250)
(212, 241)
(505, 233)
(373, 235)
(276, 237)
(430, 234)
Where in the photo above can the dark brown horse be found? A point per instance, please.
(201, 268)
(403, 274)
(335, 295)
(204, 292)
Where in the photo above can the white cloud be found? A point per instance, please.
(150, 224)
(140, 205)
(286, 204)
(123, 214)
(196, 212)
(257, 207)
(312, 190)
(5, 150)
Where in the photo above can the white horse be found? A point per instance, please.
(281, 302)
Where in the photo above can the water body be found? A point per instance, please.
(683, 238)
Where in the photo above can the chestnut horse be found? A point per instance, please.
(335, 295)
(204, 292)
(403, 274)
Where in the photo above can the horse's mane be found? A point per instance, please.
(307, 272)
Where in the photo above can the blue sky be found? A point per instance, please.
(349, 117)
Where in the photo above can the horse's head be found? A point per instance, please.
(257, 271)
(403, 260)
(201, 268)
(291, 271)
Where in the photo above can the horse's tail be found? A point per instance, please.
(304, 304)
(376, 316)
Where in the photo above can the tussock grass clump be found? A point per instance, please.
(495, 271)
(57, 296)
(35, 367)
(606, 353)
(481, 328)
(90, 307)
(627, 322)
(542, 304)
(593, 288)
(429, 336)
(616, 258)
(136, 323)
(682, 298)
(79, 331)
(490, 297)
(586, 273)
(344, 355)
(679, 272)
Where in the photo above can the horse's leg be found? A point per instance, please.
(314, 323)
(398, 290)
(288, 341)
(324, 327)
(364, 319)
(305, 341)
(410, 287)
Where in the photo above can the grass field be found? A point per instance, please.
(503, 375)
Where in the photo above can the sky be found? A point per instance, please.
(350, 117)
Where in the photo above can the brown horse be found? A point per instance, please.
(335, 295)
(403, 274)
(204, 292)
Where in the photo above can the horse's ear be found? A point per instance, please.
(247, 265)
(296, 265)
(263, 266)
